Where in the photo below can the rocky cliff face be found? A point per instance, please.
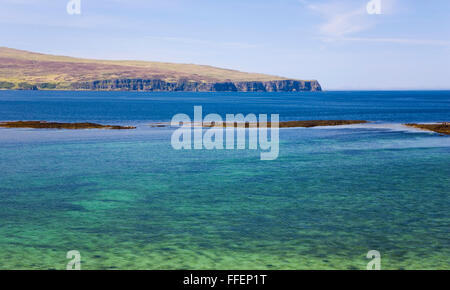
(24, 70)
(192, 86)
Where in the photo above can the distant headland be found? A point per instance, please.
(23, 70)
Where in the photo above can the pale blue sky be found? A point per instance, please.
(335, 42)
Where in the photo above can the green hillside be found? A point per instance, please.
(28, 70)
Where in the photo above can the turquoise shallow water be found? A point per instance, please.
(127, 200)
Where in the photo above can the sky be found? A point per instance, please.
(344, 45)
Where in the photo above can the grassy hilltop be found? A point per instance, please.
(28, 70)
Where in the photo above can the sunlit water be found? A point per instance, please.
(127, 200)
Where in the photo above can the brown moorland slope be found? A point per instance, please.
(28, 70)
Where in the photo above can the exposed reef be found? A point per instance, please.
(441, 128)
(54, 125)
(283, 124)
(295, 124)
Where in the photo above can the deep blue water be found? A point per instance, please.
(136, 107)
(128, 200)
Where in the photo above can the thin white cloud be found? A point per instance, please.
(400, 41)
(340, 18)
(203, 42)
(343, 21)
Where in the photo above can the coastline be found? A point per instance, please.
(159, 85)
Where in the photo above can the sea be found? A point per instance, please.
(126, 199)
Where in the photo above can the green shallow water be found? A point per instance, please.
(127, 200)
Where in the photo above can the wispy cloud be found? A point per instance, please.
(203, 42)
(400, 41)
(345, 21)
(340, 18)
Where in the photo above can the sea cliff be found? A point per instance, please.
(194, 86)
(24, 70)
